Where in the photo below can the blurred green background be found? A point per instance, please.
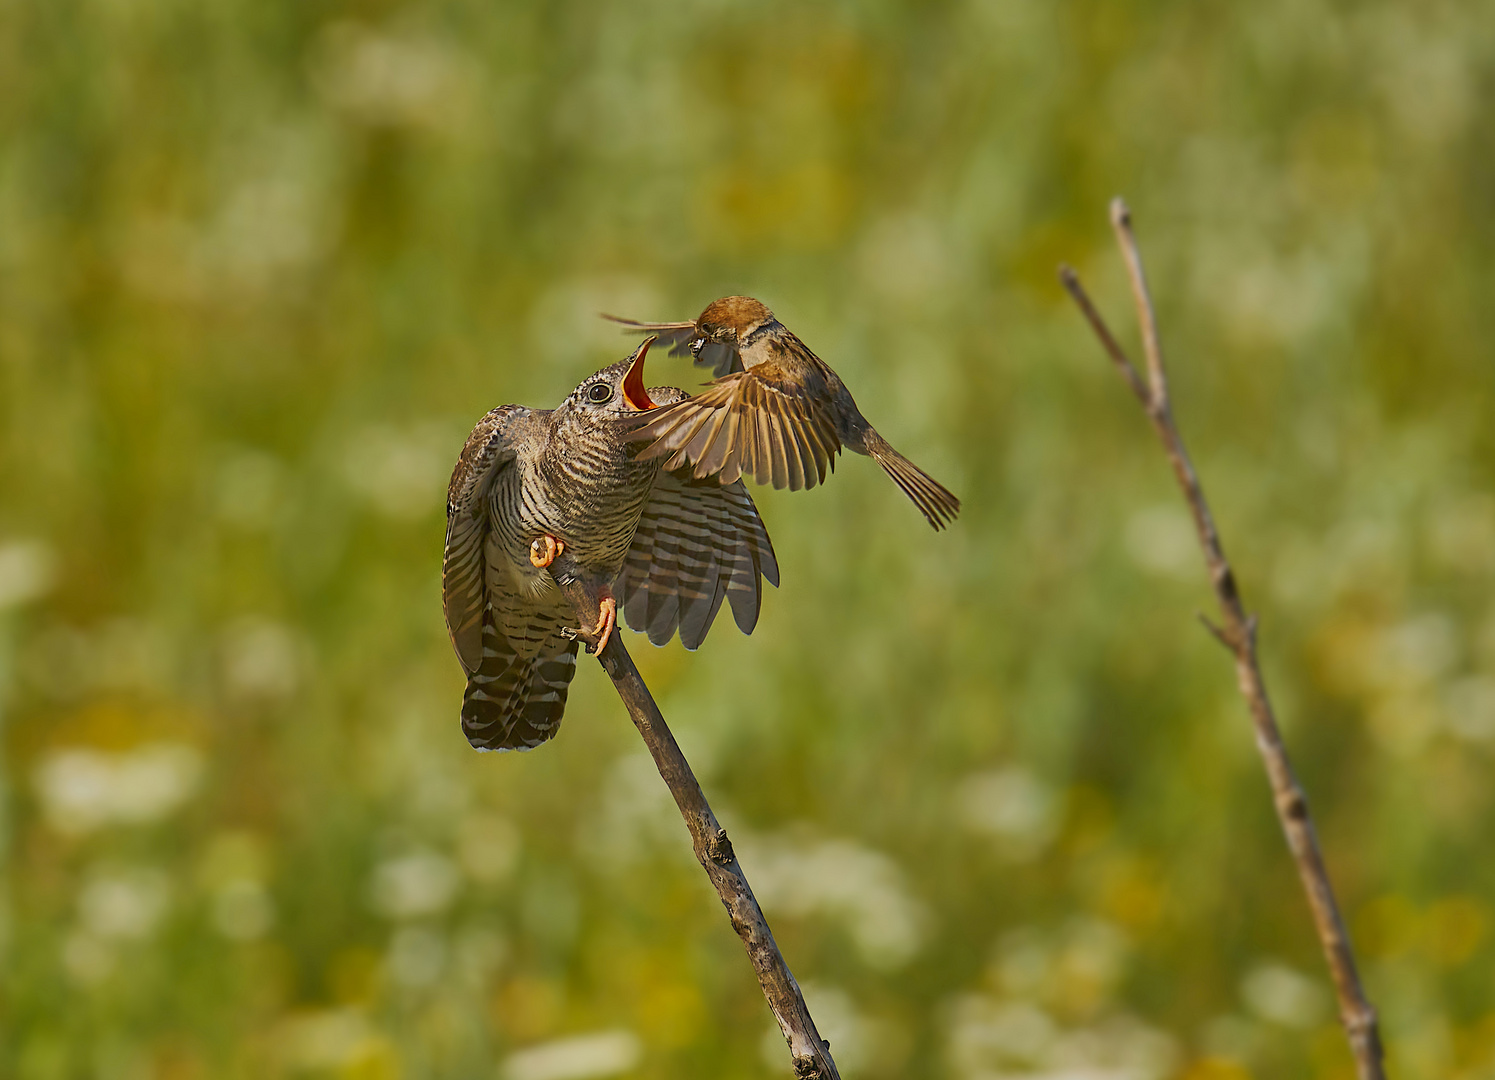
(262, 264)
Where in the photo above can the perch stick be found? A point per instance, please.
(810, 1053)
(1237, 632)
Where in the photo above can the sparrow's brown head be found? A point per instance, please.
(732, 318)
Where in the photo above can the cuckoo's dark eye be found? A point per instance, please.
(599, 393)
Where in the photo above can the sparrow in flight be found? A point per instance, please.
(776, 411)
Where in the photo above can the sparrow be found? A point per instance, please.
(775, 411)
(533, 483)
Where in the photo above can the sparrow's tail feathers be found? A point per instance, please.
(928, 494)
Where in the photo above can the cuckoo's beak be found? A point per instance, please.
(633, 383)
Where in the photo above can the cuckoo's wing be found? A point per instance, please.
(508, 639)
(754, 423)
(715, 356)
(486, 454)
(698, 542)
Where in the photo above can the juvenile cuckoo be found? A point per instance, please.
(531, 483)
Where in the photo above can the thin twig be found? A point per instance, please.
(1237, 632)
(811, 1054)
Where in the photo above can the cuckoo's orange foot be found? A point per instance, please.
(607, 618)
(545, 551)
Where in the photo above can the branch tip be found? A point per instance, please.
(1238, 635)
(708, 838)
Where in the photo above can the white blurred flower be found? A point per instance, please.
(990, 1038)
(262, 659)
(1076, 967)
(420, 883)
(863, 888)
(1470, 705)
(852, 1036)
(402, 474)
(1162, 541)
(325, 1039)
(27, 571)
(1012, 805)
(989, 1034)
(1119, 1048)
(636, 818)
(82, 790)
(392, 77)
(242, 910)
(124, 903)
(604, 1053)
(1276, 992)
(274, 215)
(1421, 648)
(416, 956)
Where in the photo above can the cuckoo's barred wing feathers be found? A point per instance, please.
(518, 666)
(746, 424)
(751, 556)
(486, 452)
(462, 587)
(698, 543)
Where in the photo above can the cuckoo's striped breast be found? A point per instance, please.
(584, 490)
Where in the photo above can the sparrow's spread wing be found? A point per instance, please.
(487, 453)
(698, 542)
(757, 423)
(715, 356)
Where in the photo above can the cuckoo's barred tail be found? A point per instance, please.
(929, 495)
(515, 702)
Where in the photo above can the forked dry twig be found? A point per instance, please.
(1237, 632)
(810, 1053)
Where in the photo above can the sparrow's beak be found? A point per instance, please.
(633, 383)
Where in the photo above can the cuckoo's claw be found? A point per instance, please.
(545, 551)
(607, 618)
(596, 639)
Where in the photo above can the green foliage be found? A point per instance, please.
(263, 264)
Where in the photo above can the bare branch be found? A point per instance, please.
(1113, 348)
(1237, 632)
(811, 1054)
